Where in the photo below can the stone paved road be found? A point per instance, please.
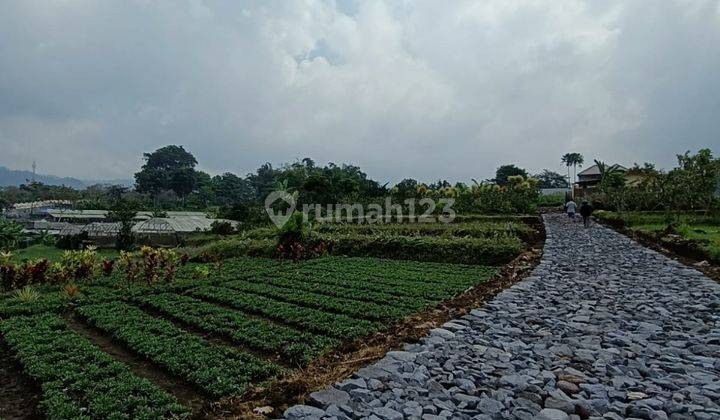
(602, 328)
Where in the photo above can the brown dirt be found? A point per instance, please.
(684, 251)
(342, 363)
(19, 395)
(184, 392)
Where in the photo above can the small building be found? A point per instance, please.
(591, 176)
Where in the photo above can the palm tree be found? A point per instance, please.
(567, 160)
(574, 160)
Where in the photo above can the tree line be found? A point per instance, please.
(169, 180)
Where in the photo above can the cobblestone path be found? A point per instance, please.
(604, 328)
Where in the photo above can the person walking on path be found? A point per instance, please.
(570, 208)
(586, 211)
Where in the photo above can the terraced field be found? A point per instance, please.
(233, 327)
(250, 322)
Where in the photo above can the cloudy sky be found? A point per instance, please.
(428, 89)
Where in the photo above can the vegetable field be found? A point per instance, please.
(471, 239)
(219, 329)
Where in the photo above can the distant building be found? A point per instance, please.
(148, 230)
(591, 176)
(36, 209)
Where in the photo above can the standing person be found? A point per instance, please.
(570, 208)
(585, 211)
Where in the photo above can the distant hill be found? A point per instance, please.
(9, 177)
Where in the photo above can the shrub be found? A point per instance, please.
(10, 234)
(222, 227)
(150, 265)
(107, 267)
(27, 294)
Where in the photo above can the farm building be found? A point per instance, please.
(155, 231)
(36, 209)
(88, 216)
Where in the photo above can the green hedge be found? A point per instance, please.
(483, 251)
(489, 229)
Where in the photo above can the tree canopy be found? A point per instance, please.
(167, 168)
(505, 171)
(550, 179)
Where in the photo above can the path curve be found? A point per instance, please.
(603, 327)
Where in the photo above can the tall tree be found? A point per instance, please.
(168, 168)
(502, 173)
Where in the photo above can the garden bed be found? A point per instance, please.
(224, 338)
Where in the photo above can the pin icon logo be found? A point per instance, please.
(279, 218)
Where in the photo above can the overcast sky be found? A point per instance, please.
(427, 89)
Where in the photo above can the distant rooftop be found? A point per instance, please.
(102, 214)
(595, 170)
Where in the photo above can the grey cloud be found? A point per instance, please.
(425, 89)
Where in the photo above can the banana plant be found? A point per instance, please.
(10, 234)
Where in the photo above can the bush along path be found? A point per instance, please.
(603, 328)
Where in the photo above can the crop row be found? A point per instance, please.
(400, 269)
(350, 307)
(335, 325)
(409, 289)
(336, 266)
(217, 370)
(430, 292)
(309, 284)
(372, 270)
(294, 346)
(399, 278)
(79, 380)
(473, 230)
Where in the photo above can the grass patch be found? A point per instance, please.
(702, 230)
(51, 253)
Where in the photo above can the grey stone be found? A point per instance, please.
(489, 406)
(387, 414)
(552, 414)
(329, 396)
(302, 412)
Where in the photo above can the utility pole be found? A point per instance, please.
(32, 183)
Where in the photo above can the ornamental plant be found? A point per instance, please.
(150, 265)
